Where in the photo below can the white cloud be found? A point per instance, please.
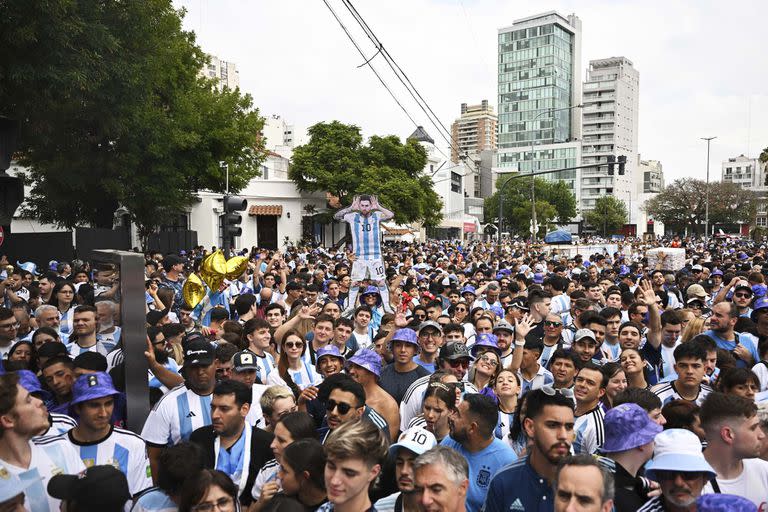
(701, 63)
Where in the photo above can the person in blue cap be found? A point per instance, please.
(97, 441)
(58, 423)
(398, 376)
(681, 470)
(12, 492)
(371, 297)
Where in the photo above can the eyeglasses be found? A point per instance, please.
(743, 295)
(221, 504)
(461, 310)
(456, 363)
(547, 323)
(490, 360)
(293, 344)
(342, 407)
(551, 391)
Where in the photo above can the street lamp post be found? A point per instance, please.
(534, 220)
(706, 203)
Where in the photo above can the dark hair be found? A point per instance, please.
(589, 365)
(734, 377)
(306, 455)
(642, 397)
(225, 351)
(483, 408)
(65, 360)
(243, 394)
(632, 324)
(361, 309)
(300, 425)
(8, 393)
(680, 414)
(609, 371)
(442, 392)
(50, 331)
(244, 303)
(537, 400)
(719, 406)
(219, 314)
(54, 301)
(609, 312)
(196, 487)
(670, 317)
(690, 351)
(452, 327)
(562, 353)
(5, 313)
(171, 330)
(253, 324)
(274, 305)
(705, 342)
(325, 318)
(343, 382)
(344, 321)
(86, 308)
(176, 464)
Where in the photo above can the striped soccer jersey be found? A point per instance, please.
(590, 433)
(51, 455)
(122, 449)
(175, 416)
(365, 235)
(667, 392)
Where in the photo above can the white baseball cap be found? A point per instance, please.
(416, 439)
(677, 449)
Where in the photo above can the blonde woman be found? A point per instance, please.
(694, 328)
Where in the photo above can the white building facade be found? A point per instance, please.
(223, 71)
(610, 128)
(749, 173)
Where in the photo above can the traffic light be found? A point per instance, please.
(232, 220)
(611, 163)
(622, 162)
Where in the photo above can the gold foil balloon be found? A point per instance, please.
(213, 270)
(193, 290)
(236, 266)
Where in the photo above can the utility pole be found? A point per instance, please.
(706, 203)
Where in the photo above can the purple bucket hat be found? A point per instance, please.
(31, 383)
(92, 386)
(628, 426)
(490, 341)
(367, 359)
(328, 350)
(407, 336)
(724, 503)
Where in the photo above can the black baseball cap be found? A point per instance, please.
(98, 487)
(455, 350)
(199, 352)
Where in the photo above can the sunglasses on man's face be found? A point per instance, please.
(342, 407)
(743, 295)
(456, 363)
(548, 323)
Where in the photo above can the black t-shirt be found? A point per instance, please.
(396, 383)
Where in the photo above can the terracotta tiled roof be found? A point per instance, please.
(396, 231)
(268, 209)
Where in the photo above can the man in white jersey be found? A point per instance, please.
(97, 441)
(84, 339)
(363, 216)
(22, 417)
(734, 439)
(186, 407)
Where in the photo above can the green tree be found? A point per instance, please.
(336, 160)
(555, 204)
(608, 216)
(682, 205)
(113, 111)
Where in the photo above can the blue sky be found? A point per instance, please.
(702, 64)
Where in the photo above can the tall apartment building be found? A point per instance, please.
(539, 88)
(651, 173)
(225, 72)
(474, 131)
(610, 127)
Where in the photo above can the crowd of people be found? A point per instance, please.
(438, 376)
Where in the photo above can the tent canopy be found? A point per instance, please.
(558, 237)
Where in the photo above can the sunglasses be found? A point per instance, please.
(342, 407)
(293, 344)
(663, 474)
(456, 363)
(461, 310)
(551, 391)
(743, 295)
(548, 323)
(490, 360)
(420, 317)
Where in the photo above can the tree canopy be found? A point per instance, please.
(336, 160)
(608, 216)
(555, 203)
(682, 205)
(113, 111)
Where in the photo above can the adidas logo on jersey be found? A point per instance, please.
(191, 414)
(517, 505)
